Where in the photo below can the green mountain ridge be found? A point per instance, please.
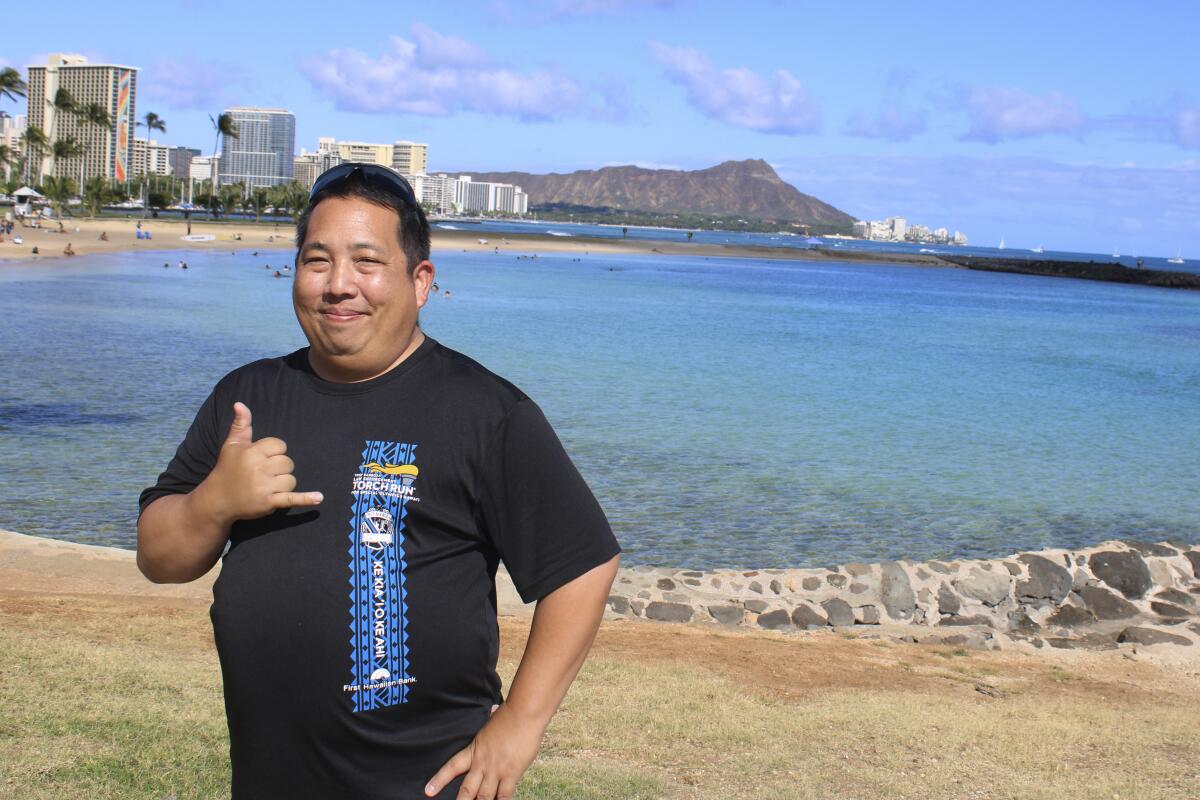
(749, 188)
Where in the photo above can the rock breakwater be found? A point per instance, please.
(1140, 592)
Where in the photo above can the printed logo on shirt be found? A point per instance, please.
(381, 490)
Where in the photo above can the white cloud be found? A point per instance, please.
(997, 113)
(439, 75)
(1185, 127)
(739, 96)
(891, 123)
(193, 84)
(439, 50)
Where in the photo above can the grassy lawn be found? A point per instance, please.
(109, 696)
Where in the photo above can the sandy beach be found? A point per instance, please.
(83, 236)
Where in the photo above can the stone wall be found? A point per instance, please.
(1140, 592)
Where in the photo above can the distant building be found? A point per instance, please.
(481, 197)
(405, 157)
(410, 158)
(180, 159)
(150, 158)
(263, 154)
(918, 233)
(113, 87)
(203, 168)
(434, 191)
(11, 130)
(309, 166)
(364, 153)
(897, 229)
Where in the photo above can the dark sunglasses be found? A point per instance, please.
(379, 176)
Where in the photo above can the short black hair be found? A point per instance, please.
(413, 231)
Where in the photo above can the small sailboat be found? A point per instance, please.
(1001, 247)
(1178, 259)
(1116, 253)
(1038, 249)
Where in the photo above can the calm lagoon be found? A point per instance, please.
(726, 412)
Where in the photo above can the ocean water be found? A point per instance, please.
(726, 412)
(789, 239)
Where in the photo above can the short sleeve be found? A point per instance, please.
(194, 459)
(538, 512)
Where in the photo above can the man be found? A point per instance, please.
(355, 619)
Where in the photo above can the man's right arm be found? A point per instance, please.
(181, 536)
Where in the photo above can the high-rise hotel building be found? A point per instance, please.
(114, 87)
(410, 158)
(405, 157)
(263, 152)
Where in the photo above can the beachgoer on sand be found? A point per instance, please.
(103, 236)
(68, 250)
(363, 662)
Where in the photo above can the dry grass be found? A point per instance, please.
(120, 697)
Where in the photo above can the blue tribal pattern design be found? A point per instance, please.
(383, 488)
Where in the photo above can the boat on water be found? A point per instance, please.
(1038, 249)
(1001, 247)
(1116, 253)
(1178, 259)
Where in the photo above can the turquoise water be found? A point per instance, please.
(726, 412)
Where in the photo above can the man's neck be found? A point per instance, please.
(336, 373)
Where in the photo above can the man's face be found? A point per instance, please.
(353, 294)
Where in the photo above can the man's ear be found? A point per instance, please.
(423, 274)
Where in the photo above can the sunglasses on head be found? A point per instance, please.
(374, 174)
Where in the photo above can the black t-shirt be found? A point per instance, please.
(358, 639)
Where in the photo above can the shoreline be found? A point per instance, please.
(1114, 595)
(166, 235)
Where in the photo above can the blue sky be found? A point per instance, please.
(1072, 125)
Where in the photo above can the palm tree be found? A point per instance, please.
(259, 199)
(93, 115)
(34, 142)
(225, 126)
(153, 122)
(96, 194)
(63, 103)
(65, 147)
(11, 84)
(59, 191)
(230, 194)
(292, 196)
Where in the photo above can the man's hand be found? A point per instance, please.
(181, 536)
(496, 759)
(251, 479)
